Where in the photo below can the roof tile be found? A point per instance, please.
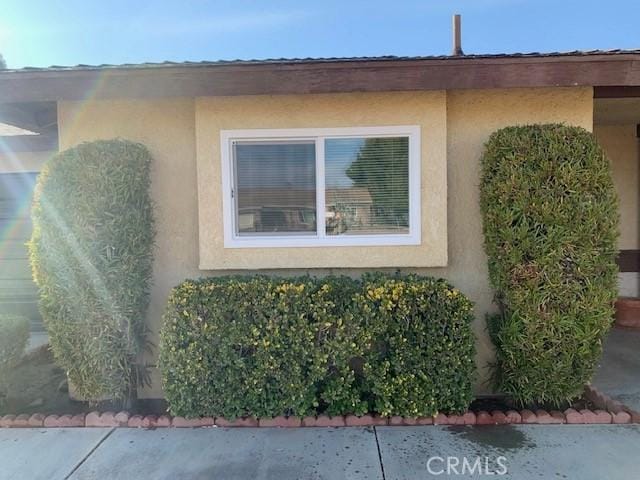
(168, 63)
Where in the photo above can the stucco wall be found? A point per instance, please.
(425, 109)
(168, 128)
(621, 145)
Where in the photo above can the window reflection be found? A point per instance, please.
(275, 188)
(367, 186)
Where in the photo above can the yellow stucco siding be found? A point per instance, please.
(425, 109)
(621, 146)
(183, 136)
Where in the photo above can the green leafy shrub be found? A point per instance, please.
(14, 335)
(421, 360)
(91, 255)
(550, 225)
(264, 346)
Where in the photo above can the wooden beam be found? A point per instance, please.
(629, 260)
(616, 91)
(321, 77)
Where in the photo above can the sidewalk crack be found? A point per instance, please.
(84, 459)
(375, 432)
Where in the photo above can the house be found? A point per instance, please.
(316, 165)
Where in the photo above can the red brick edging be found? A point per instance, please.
(617, 409)
(608, 411)
(123, 419)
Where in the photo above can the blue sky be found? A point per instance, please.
(43, 33)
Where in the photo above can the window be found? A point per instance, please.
(321, 187)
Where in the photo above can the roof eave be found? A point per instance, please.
(226, 79)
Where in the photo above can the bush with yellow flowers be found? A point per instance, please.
(265, 346)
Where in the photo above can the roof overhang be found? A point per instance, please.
(296, 77)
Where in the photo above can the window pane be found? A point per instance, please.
(275, 188)
(367, 186)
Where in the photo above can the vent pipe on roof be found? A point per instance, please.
(457, 36)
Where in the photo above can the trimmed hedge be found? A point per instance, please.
(91, 255)
(264, 347)
(550, 224)
(14, 335)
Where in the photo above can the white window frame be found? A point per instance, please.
(321, 239)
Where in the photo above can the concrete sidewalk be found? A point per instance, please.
(528, 452)
(619, 372)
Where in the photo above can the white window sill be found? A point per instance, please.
(314, 241)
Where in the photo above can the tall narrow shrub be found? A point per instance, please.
(91, 255)
(550, 223)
